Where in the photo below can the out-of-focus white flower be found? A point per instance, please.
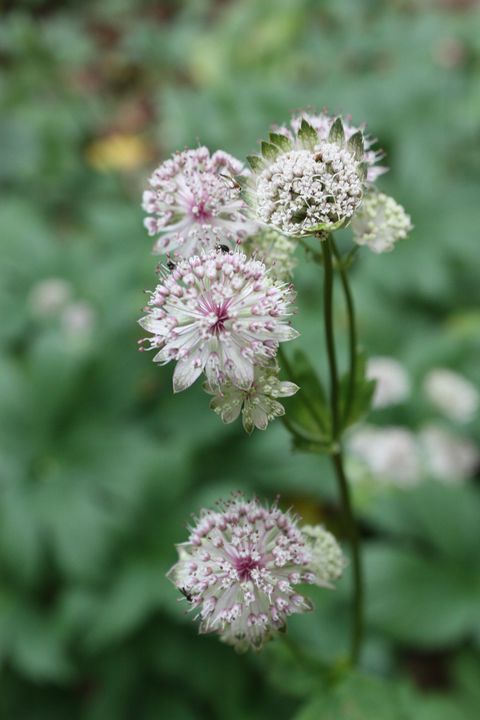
(380, 222)
(323, 122)
(258, 404)
(328, 561)
(447, 457)
(219, 312)
(390, 454)
(49, 295)
(452, 394)
(194, 203)
(240, 567)
(392, 382)
(275, 250)
(78, 319)
(303, 184)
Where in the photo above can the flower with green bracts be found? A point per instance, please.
(259, 404)
(301, 185)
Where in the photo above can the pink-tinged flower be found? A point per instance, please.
(323, 123)
(240, 567)
(194, 203)
(220, 313)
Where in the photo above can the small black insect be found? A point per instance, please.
(171, 265)
(222, 248)
(186, 594)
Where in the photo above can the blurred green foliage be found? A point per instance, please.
(100, 466)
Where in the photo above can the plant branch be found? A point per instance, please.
(336, 456)
(352, 331)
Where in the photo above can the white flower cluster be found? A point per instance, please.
(392, 381)
(380, 223)
(302, 192)
(395, 455)
(452, 394)
(240, 567)
(304, 182)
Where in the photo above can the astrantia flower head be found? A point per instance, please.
(323, 122)
(275, 250)
(194, 203)
(218, 312)
(380, 222)
(240, 568)
(259, 404)
(304, 184)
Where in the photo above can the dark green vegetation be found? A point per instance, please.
(100, 466)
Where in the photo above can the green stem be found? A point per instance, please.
(352, 332)
(337, 456)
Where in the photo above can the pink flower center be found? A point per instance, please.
(244, 567)
(220, 310)
(222, 316)
(200, 211)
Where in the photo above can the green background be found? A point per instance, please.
(101, 467)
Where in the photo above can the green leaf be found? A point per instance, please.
(360, 697)
(281, 141)
(363, 390)
(420, 599)
(307, 411)
(307, 134)
(355, 144)
(337, 133)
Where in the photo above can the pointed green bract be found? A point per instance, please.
(355, 144)
(307, 134)
(269, 151)
(256, 162)
(337, 133)
(281, 141)
(362, 170)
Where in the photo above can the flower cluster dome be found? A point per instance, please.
(220, 313)
(306, 185)
(194, 203)
(239, 570)
(380, 223)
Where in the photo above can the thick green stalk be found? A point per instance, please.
(337, 456)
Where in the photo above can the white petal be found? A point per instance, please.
(153, 325)
(186, 372)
